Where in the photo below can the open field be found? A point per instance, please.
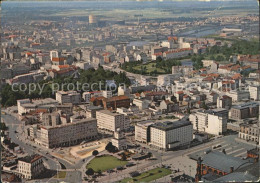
(104, 163)
(148, 176)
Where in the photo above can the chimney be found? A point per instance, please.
(231, 169)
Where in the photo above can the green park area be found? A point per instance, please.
(104, 163)
(148, 176)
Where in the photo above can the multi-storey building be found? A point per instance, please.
(111, 121)
(224, 102)
(246, 110)
(142, 131)
(168, 135)
(92, 110)
(30, 166)
(254, 92)
(211, 121)
(64, 97)
(249, 132)
(116, 102)
(26, 105)
(67, 134)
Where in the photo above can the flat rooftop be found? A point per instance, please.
(30, 159)
(170, 125)
(109, 113)
(246, 105)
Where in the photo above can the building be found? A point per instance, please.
(246, 110)
(254, 92)
(249, 132)
(218, 164)
(92, 19)
(185, 70)
(30, 166)
(65, 97)
(141, 57)
(238, 96)
(123, 90)
(167, 106)
(67, 134)
(111, 121)
(251, 60)
(104, 93)
(169, 135)
(207, 63)
(119, 141)
(116, 102)
(92, 110)
(224, 102)
(210, 121)
(142, 131)
(141, 103)
(26, 105)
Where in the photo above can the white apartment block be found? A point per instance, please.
(142, 131)
(65, 97)
(30, 166)
(111, 121)
(254, 92)
(168, 135)
(67, 134)
(210, 122)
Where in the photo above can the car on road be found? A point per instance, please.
(207, 151)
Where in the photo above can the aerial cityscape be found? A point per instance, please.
(130, 91)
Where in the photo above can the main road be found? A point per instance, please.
(53, 163)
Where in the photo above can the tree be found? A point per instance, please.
(3, 126)
(90, 171)
(124, 157)
(99, 172)
(204, 106)
(149, 154)
(110, 147)
(95, 152)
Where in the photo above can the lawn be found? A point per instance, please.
(104, 163)
(148, 176)
(61, 175)
(150, 67)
